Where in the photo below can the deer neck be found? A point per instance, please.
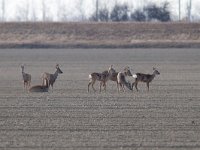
(125, 73)
(22, 70)
(153, 76)
(55, 74)
(23, 73)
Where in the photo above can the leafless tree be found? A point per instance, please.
(44, 8)
(2, 10)
(189, 8)
(62, 14)
(81, 9)
(33, 13)
(179, 4)
(97, 10)
(22, 13)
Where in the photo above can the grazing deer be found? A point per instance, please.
(121, 80)
(26, 78)
(146, 78)
(40, 88)
(102, 77)
(51, 78)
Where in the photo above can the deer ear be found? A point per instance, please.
(154, 68)
(57, 65)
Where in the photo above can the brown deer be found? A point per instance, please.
(40, 88)
(121, 79)
(51, 78)
(101, 77)
(26, 78)
(113, 77)
(146, 78)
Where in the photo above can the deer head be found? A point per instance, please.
(155, 72)
(111, 70)
(58, 69)
(127, 71)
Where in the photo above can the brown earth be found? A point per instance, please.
(165, 118)
(99, 35)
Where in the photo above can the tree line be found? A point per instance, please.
(29, 10)
(122, 12)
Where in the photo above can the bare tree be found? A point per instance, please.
(26, 10)
(2, 10)
(62, 14)
(119, 13)
(44, 8)
(103, 15)
(179, 4)
(189, 7)
(22, 13)
(33, 13)
(81, 9)
(97, 10)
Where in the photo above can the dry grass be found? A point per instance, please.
(113, 35)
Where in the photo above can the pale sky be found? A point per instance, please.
(75, 9)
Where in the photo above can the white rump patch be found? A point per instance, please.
(90, 76)
(134, 76)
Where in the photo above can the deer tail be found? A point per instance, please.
(90, 76)
(134, 76)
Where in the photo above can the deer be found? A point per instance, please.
(40, 88)
(51, 78)
(146, 78)
(26, 78)
(121, 79)
(101, 77)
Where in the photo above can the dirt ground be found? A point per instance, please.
(165, 118)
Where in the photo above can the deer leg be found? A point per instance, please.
(93, 86)
(133, 84)
(136, 83)
(100, 86)
(43, 82)
(123, 87)
(52, 86)
(104, 86)
(89, 86)
(118, 87)
(148, 86)
(25, 86)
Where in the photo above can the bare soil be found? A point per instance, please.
(100, 35)
(165, 118)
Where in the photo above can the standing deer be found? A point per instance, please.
(146, 78)
(121, 80)
(40, 88)
(26, 78)
(102, 77)
(51, 78)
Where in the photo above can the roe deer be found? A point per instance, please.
(102, 77)
(26, 78)
(40, 88)
(146, 78)
(121, 80)
(51, 78)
